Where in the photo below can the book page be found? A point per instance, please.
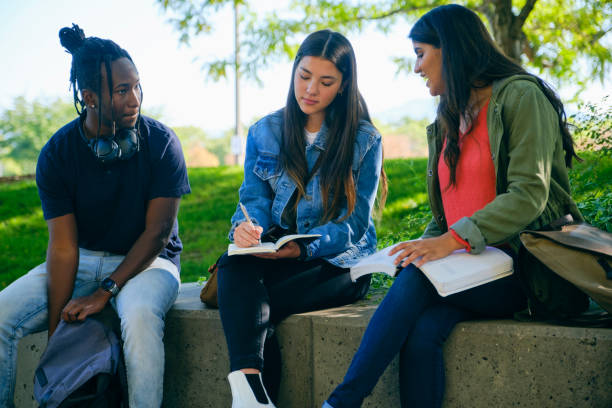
(264, 247)
(377, 262)
(461, 270)
(283, 240)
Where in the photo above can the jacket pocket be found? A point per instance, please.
(267, 168)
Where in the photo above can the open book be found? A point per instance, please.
(455, 273)
(267, 247)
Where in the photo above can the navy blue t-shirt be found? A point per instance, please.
(110, 200)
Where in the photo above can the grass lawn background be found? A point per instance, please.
(205, 213)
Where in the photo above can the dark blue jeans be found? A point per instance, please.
(415, 321)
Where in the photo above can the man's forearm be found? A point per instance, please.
(144, 251)
(161, 216)
(62, 266)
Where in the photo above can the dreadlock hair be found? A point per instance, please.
(471, 60)
(88, 56)
(342, 118)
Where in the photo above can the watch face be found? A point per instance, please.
(110, 286)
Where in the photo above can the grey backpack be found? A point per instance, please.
(81, 367)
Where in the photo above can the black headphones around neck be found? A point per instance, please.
(121, 145)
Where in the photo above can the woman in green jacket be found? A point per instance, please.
(498, 156)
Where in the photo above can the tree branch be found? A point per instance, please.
(527, 48)
(525, 11)
(392, 13)
(599, 35)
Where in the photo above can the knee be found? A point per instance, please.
(233, 268)
(140, 320)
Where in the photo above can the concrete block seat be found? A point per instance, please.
(489, 363)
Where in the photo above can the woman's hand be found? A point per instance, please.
(290, 250)
(428, 249)
(247, 234)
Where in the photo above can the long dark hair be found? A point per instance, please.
(342, 118)
(88, 55)
(471, 59)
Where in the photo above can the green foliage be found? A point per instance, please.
(407, 211)
(551, 35)
(591, 188)
(593, 127)
(22, 228)
(560, 32)
(25, 129)
(204, 217)
(591, 179)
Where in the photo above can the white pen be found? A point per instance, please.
(246, 215)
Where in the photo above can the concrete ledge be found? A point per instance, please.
(495, 363)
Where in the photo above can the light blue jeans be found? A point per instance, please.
(141, 305)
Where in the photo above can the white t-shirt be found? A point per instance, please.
(310, 136)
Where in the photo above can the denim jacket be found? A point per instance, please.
(531, 178)
(267, 188)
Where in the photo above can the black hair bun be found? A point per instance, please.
(72, 38)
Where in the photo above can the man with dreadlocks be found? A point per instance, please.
(110, 183)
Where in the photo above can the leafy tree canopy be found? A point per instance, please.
(25, 129)
(567, 38)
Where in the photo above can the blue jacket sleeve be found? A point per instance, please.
(255, 194)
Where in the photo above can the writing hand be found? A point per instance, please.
(247, 234)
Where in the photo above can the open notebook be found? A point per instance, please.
(267, 247)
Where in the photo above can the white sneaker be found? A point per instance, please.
(248, 391)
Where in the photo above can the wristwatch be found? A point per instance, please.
(110, 286)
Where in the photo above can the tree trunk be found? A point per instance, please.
(507, 29)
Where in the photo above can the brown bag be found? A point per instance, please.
(580, 254)
(208, 295)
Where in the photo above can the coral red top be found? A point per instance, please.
(475, 174)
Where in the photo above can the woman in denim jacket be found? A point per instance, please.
(498, 156)
(312, 167)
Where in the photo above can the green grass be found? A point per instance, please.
(205, 214)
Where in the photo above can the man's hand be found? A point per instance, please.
(78, 309)
(247, 234)
(428, 249)
(290, 250)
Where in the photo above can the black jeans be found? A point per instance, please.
(256, 293)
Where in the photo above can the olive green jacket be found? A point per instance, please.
(532, 183)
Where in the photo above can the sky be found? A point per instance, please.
(36, 66)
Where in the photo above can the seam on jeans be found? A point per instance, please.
(27, 317)
(99, 268)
